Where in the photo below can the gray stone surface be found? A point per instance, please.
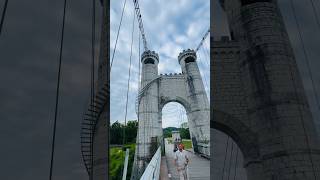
(185, 88)
(259, 99)
(100, 141)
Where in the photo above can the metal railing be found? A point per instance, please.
(152, 171)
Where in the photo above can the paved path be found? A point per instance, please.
(199, 167)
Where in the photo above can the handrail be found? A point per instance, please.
(152, 172)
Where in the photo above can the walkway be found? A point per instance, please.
(199, 167)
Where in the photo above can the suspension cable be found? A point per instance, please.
(138, 139)
(57, 91)
(203, 39)
(207, 53)
(230, 160)
(306, 57)
(93, 29)
(118, 32)
(128, 86)
(204, 77)
(305, 54)
(315, 13)
(225, 157)
(3, 15)
(236, 165)
(139, 17)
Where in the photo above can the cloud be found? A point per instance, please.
(166, 27)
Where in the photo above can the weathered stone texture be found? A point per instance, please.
(185, 88)
(257, 87)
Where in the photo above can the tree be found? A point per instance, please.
(131, 131)
(116, 132)
(184, 133)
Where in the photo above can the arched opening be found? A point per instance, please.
(246, 2)
(189, 59)
(174, 119)
(149, 61)
(227, 157)
(175, 125)
(227, 129)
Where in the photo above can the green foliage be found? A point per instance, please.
(116, 132)
(116, 164)
(187, 144)
(184, 133)
(167, 131)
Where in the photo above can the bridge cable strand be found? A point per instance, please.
(305, 54)
(230, 160)
(225, 157)
(139, 18)
(207, 51)
(93, 29)
(57, 91)
(236, 164)
(118, 32)
(207, 60)
(204, 78)
(3, 15)
(202, 40)
(128, 88)
(295, 88)
(205, 55)
(138, 105)
(315, 13)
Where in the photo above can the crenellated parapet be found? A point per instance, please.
(188, 54)
(172, 75)
(149, 55)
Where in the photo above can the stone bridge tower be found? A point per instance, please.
(185, 88)
(259, 99)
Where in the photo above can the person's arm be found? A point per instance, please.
(187, 159)
(175, 161)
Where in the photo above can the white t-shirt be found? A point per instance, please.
(181, 158)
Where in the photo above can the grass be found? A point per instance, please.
(186, 142)
(116, 161)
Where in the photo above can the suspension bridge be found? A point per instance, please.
(155, 91)
(268, 120)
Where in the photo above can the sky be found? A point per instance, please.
(170, 26)
(311, 37)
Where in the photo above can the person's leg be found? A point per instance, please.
(182, 174)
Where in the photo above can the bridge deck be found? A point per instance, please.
(198, 168)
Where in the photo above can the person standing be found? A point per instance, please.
(181, 161)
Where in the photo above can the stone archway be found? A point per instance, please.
(244, 137)
(185, 88)
(256, 82)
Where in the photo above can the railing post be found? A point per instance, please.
(124, 175)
